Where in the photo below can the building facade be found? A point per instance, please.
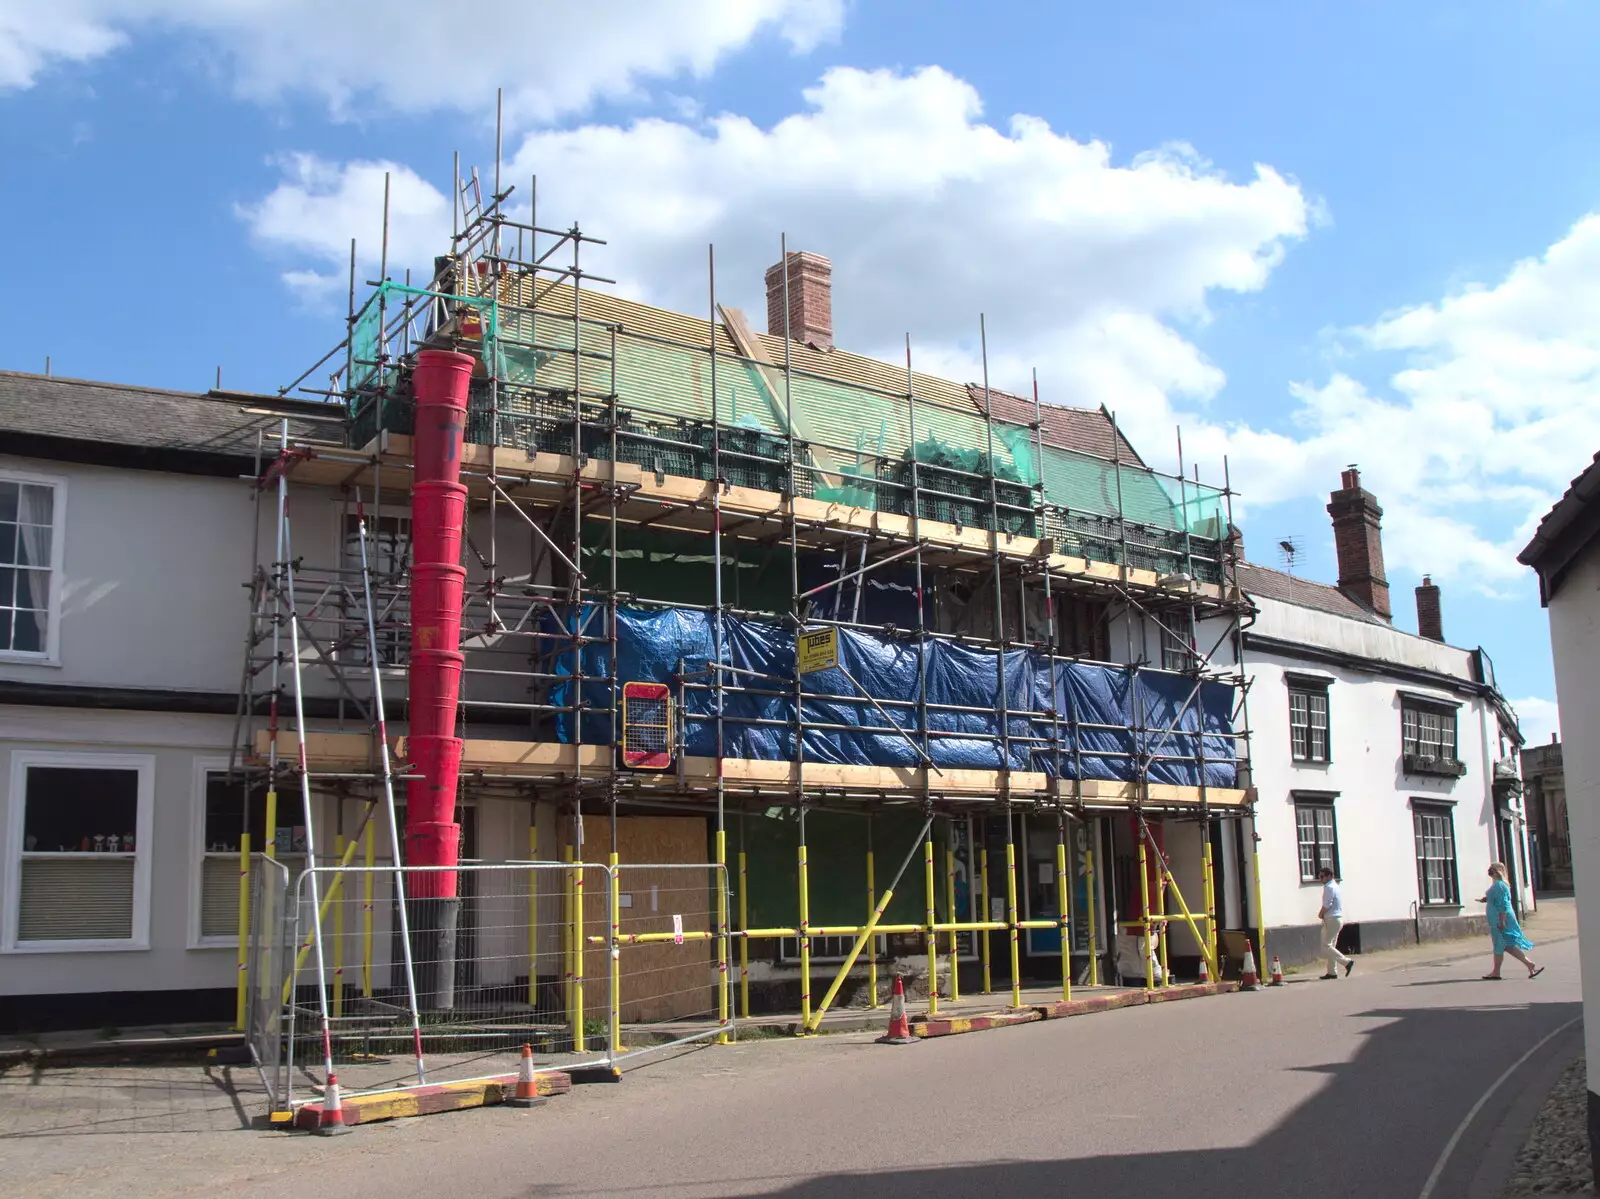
(1545, 780)
(1565, 553)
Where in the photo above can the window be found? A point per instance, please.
(29, 565)
(1176, 652)
(388, 556)
(1308, 723)
(1428, 737)
(1436, 856)
(222, 822)
(81, 832)
(1318, 837)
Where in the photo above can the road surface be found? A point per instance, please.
(1353, 1087)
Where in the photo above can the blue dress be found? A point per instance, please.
(1498, 900)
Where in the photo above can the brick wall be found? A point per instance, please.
(810, 299)
(1358, 542)
(1430, 620)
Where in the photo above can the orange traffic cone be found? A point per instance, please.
(1248, 980)
(1277, 972)
(899, 1027)
(332, 1122)
(1205, 970)
(527, 1092)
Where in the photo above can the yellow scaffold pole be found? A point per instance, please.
(614, 1000)
(579, 1044)
(805, 932)
(1011, 910)
(1163, 876)
(951, 914)
(865, 935)
(1065, 912)
(1210, 895)
(722, 932)
(744, 941)
(1255, 870)
(931, 937)
(338, 935)
(241, 999)
(1094, 903)
(1144, 915)
(872, 906)
(983, 888)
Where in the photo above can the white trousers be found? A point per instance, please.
(1330, 943)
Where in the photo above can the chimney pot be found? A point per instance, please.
(810, 311)
(1430, 620)
(1358, 543)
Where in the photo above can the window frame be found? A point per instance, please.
(203, 769)
(1315, 802)
(1422, 810)
(144, 765)
(400, 639)
(1441, 710)
(51, 654)
(1311, 688)
(1173, 644)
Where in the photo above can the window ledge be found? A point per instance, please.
(1438, 767)
(1433, 908)
(19, 658)
(1317, 763)
(77, 947)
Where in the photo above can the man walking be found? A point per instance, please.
(1332, 916)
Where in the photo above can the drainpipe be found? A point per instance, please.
(438, 580)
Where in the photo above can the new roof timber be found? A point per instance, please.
(542, 479)
(546, 760)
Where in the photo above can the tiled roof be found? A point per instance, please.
(1272, 584)
(142, 417)
(1089, 430)
(1566, 530)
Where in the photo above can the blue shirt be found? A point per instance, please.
(1332, 904)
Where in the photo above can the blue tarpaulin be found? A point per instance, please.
(1072, 720)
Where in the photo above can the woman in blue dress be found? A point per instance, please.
(1504, 931)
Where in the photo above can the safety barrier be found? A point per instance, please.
(590, 965)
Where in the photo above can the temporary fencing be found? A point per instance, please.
(587, 964)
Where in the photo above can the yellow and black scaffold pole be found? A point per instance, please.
(815, 1019)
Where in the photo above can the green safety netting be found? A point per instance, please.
(854, 445)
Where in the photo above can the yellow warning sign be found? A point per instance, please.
(818, 650)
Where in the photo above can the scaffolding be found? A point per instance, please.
(602, 432)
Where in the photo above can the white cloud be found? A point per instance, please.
(419, 55)
(1086, 267)
(1538, 719)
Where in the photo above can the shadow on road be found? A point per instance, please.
(1374, 1130)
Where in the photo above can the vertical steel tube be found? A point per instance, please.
(1062, 905)
(1144, 917)
(1011, 909)
(533, 907)
(950, 913)
(872, 904)
(1091, 886)
(614, 953)
(930, 937)
(983, 888)
(338, 925)
(241, 993)
(805, 929)
(744, 926)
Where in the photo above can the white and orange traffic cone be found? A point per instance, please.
(527, 1090)
(331, 1122)
(1205, 970)
(1277, 972)
(1247, 979)
(899, 1032)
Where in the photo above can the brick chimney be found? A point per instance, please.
(1359, 543)
(1430, 621)
(810, 299)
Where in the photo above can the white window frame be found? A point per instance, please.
(198, 854)
(51, 655)
(145, 766)
(1176, 648)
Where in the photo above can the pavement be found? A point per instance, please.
(1411, 1078)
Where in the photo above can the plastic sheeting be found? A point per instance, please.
(1074, 720)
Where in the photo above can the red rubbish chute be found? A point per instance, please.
(438, 580)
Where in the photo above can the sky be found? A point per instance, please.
(1310, 235)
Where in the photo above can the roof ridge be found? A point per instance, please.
(106, 383)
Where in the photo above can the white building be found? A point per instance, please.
(1387, 755)
(1565, 551)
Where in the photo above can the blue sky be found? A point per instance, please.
(1311, 234)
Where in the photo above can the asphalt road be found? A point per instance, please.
(1339, 1088)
